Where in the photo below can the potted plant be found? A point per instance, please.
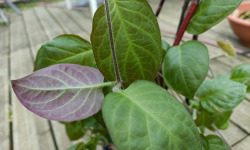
(240, 22)
(117, 88)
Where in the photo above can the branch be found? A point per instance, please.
(116, 68)
(184, 8)
(159, 8)
(186, 21)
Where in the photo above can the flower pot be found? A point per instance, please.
(241, 27)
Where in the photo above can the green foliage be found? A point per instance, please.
(241, 74)
(65, 48)
(185, 67)
(209, 13)
(216, 143)
(151, 119)
(137, 41)
(75, 130)
(220, 95)
(136, 114)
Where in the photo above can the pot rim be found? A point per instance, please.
(234, 16)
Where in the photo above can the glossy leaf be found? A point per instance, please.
(137, 40)
(218, 95)
(241, 74)
(65, 48)
(62, 92)
(209, 13)
(216, 143)
(165, 48)
(185, 67)
(146, 116)
(75, 130)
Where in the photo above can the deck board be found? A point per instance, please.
(4, 92)
(27, 126)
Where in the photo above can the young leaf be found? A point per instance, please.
(75, 130)
(216, 143)
(62, 92)
(67, 48)
(145, 116)
(209, 13)
(137, 40)
(220, 95)
(185, 67)
(241, 74)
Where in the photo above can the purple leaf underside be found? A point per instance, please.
(62, 92)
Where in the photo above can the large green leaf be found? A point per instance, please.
(209, 13)
(241, 74)
(145, 116)
(137, 40)
(185, 67)
(216, 143)
(221, 95)
(65, 48)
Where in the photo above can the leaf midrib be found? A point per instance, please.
(70, 88)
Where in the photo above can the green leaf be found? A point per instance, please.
(205, 144)
(165, 47)
(241, 74)
(218, 95)
(216, 143)
(185, 67)
(209, 13)
(75, 130)
(219, 119)
(137, 40)
(65, 48)
(228, 47)
(222, 120)
(146, 116)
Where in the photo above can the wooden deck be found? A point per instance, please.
(19, 42)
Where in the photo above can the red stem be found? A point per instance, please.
(186, 21)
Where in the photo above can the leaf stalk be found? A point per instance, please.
(112, 45)
(186, 21)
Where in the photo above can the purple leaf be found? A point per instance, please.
(62, 92)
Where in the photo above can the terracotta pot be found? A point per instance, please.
(241, 27)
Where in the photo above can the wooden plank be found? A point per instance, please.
(241, 116)
(232, 135)
(4, 94)
(51, 27)
(36, 33)
(49, 24)
(81, 19)
(69, 26)
(243, 145)
(30, 132)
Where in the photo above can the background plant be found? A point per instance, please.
(115, 86)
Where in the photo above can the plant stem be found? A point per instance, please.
(159, 8)
(212, 73)
(186, 21)
(218, 131)
(116, 68)
(184, 8)
(195, 37)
